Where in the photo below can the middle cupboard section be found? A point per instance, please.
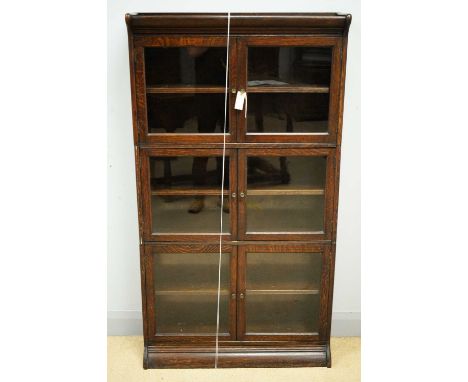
(268, 194)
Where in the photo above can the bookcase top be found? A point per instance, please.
(241, 23)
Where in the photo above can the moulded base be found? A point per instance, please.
(233, 357)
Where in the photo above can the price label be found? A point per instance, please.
(240, 98)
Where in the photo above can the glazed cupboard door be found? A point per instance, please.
(283, 291)
(181, 191)
(285, 194)
(292, 86)
(181, 291)
(180, 86)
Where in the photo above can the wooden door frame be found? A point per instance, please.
(149, 295)
(334, 92)
(324, 249)
(329, 193)
(139, 45)
(148, 235)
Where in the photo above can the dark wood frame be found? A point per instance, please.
(148, 234)
(140, 43)
(242, 335)
(150, 293)
(318, 41)
(275, 29)
(242, 187)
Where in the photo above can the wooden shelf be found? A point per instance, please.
(226, 292)
(189, 192)
(299, 88)
(285, 191)
(184, 89)
(190, 292)
(267, 190)
(282, 291)
(207, 89)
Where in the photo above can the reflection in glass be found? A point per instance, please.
(301, 79)
(168, 70)
(287, 113)
(285, 194)
(188, 214)
(289, 66)
(185, 66)
(186, 194)
(292, 172)
(186, 113)
(188, 172)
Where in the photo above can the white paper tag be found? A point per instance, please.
(239, 104)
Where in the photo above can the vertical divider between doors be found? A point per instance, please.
(233, 205)
(242, 187)
(241, 84)
(233, 292)
(241, 264)
(233, 80)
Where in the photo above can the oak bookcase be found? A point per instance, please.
(280, 188)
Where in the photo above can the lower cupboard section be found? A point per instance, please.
(268, 292)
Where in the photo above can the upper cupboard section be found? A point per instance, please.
(292, 87)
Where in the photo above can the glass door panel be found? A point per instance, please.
(185, 194)
(185, 287)
(284, 214)
(282, 289)
(287, 113)
(292, 89)
(185, 66)
(291, 271)
(187, 113)
(180, 87)
(192, 314)
(288, 89)
(185, 89)
(272, 313)
(286, 193)
(183, 284)
(300, 66)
